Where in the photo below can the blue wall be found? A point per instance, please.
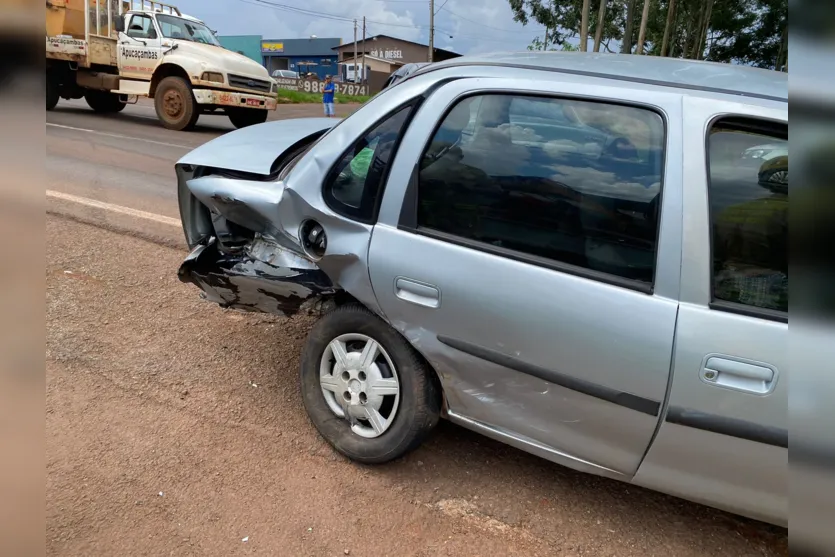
(250, 45)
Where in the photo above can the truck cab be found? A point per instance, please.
(150, 49)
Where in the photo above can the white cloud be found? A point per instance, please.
(476, 26)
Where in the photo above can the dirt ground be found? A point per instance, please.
(176, 427)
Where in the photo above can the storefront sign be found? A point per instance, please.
(387, 54)
(272, 47)
(315, 86)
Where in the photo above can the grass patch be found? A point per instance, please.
(286, 96)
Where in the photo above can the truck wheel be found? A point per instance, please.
(243, 117)
(103, 101)
(175, 105)
(366, 390)
(52, 95)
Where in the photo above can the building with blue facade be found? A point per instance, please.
(316, 56)
(313, 55)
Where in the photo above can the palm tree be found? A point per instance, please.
(642, 35)
(671, 10)
(584, 27)
(601, 23)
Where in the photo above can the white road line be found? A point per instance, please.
(119, 136)
(113, 208)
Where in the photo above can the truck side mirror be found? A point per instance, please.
(119, 24)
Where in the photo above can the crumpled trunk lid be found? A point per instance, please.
(229, 193)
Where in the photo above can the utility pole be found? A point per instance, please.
(355, 51)
(431, 30)
(364, 77)
(545, 42)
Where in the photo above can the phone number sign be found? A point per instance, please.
(314, 86)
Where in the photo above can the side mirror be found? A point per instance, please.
(119, 24)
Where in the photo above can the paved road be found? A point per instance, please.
(176, 427)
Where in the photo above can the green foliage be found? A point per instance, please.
(751, 32)
(538, 44)
(286, 96)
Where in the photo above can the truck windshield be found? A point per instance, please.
(174, 27)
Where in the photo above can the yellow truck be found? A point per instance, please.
(113, 51)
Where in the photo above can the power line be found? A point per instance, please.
(322, 15)
(345, 19)
(489, 26)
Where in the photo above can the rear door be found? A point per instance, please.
(725, 438)
(518, 249)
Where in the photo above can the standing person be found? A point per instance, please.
(327, 96)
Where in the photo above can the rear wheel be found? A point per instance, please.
(103, 101)
(365, 388)
(243, 117)
(175, 104)
(52, 95)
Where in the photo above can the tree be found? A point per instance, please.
(629, 27)
(700, 50)
(668, 27)
(560, 18)
(601, 19)
(752, 32)
(584, 27)
(538, 44)
(642, 35)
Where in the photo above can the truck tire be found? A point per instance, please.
(103, 102)
(52, 95)
(243, 117)
(175, 105)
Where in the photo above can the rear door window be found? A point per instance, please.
(749, 209)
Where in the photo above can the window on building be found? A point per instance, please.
(563, 181)
(749, 209)
(355, 185)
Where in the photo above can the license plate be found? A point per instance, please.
(253, 102)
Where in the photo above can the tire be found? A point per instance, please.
(414, 412)
(103, 101)
(243, 117)
(175, 104)
(52, 94)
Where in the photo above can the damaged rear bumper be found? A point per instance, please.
(242, 281)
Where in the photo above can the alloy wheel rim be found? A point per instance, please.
(360, 383)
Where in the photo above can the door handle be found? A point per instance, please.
(418, 293)
(738, 375)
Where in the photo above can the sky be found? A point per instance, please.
(463, 26)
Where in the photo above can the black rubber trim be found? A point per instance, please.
(552, 264)
(627, 400)
(731, 427)
(611, 77)
(750, 311)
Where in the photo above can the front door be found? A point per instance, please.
(518, 248)
(140, 48)
(725, 434)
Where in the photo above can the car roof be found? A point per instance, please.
(656, 70)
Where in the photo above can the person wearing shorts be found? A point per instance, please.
(327, 96)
